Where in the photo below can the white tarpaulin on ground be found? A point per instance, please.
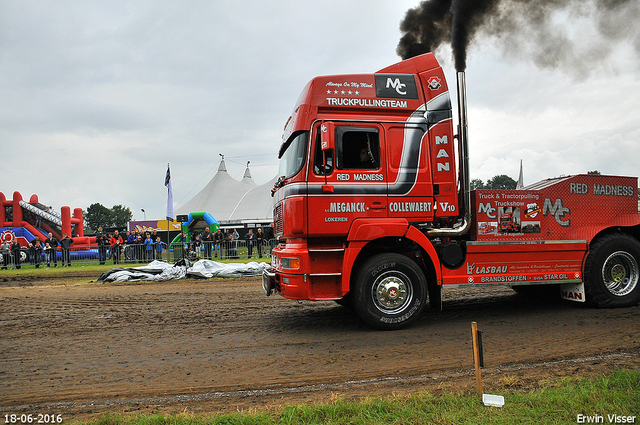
(161, 271)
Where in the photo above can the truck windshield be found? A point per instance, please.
(293, 157)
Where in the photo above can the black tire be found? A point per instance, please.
(612, 272)
(390, 291)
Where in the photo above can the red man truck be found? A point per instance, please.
(508, 223)
(371, 211)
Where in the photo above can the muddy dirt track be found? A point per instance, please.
(220, 345)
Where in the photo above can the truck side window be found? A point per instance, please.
(357, 148)
(318, 162)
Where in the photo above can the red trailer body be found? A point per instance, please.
(371, 208)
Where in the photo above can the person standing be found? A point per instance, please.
(159, 249)
(65, 245)
(250, 238)
(47, 254)
(37, 248)
(140, 247)
(139, 241)
(5, 249)
(101, 240)
(234, 244)
(197, 245)
(154, 238)
(123, 249)
(32, 253)
(227, 244)
(106, 240)
(115, 242)
(131, 243)
(148, 247)
(15, 250)
(207, 238)
(269, 237)
(218, 240)
(183, 246)
(53, 247)
(259, 240)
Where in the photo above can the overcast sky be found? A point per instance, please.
(96, 97)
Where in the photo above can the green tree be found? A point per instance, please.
(121, 215)
(476, 184)
(501, 182)
(97, 215)
(594, 172)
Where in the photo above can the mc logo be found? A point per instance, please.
(397, 85)
(557, 210)
(488, 209)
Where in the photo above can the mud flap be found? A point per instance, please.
(573, 292)
(435, 296)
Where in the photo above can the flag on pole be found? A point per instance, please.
(167, 182)
(520, 183)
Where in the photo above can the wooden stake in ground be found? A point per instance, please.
(476, 356)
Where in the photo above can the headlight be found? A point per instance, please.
(290, 263)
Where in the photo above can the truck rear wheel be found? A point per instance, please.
(612, 272)
(390, 291)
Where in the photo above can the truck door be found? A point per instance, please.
(408, 170)
(347, 181)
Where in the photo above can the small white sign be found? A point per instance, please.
(493, 400)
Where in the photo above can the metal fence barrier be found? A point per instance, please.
(136, 254)
(223, 251)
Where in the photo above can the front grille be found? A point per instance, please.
(278, 219)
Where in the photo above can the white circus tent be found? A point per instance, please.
(233, 202)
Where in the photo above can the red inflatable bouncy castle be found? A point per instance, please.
(25, 220)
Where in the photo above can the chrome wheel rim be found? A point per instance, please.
(392, 292)
(620, 273)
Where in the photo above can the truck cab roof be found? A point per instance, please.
(395, 92)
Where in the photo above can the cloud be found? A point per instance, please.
(97, 97)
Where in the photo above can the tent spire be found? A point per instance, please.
(247, 173)
(223, 166)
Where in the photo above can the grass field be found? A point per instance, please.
(607, 399)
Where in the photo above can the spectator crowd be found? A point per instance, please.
(136, 246)
(38, 251)
(224, 244)
(140, 247)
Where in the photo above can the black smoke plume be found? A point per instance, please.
(529, 28)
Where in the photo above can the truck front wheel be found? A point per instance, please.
(389, 291)
(612, 273)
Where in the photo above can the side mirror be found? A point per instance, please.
(326, 135)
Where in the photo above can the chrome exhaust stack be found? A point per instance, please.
(463, 154)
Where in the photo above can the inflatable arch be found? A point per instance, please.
(197, 220)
